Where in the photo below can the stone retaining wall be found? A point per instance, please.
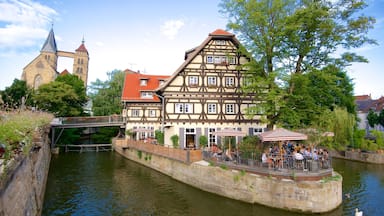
(302, 196)
(23, 186)
(367, 157)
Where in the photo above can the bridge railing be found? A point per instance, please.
(91, 119)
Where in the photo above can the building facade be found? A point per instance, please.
(203, 96)
(364, 104)
(43, 69)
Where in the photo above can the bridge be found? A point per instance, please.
(85, 122)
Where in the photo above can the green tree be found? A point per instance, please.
(105, 135)
(58, 98)
(77, 85)
(381, 118)
(13, 95)
(106, 95)
(288, 39)
(373, 118)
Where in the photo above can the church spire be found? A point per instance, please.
(50, 43)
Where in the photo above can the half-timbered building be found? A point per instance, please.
(203, 96)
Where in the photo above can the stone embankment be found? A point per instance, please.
(356, 155)
(23, 180)
(301, 196)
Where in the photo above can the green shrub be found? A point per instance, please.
(175, 141)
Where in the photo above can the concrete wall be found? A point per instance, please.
(22, 189)
(306, 196)
(367, 157)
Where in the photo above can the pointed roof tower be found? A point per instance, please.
(50, 43)
(82, 47)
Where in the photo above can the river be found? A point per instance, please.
(107, 184)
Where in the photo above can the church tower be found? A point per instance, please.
(80, 63)
(43, 69)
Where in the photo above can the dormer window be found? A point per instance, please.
(143, 82)
(146, 95)
(161, 82)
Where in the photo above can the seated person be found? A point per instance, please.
(298, 156)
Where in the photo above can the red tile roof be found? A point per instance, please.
(220, 32)
(132, 88)
(363, 97)
(82, 48)
(64, 72)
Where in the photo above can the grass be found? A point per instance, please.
(17, 129)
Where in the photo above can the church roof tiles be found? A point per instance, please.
(50, 43)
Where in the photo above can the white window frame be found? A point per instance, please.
(258, 131)
(217, 60)
(193, 80)
(220, 42)
(212, 81)
(212, 108)
(231, 60)
(188, 108)
(223, 59)
(230, 108)
(229, 81)
(143, 82)
(212, 139)
(210, 59)
(152, 113)
(179, 108)
(135, 113)
(147, 95)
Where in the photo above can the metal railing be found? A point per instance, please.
(274, 161)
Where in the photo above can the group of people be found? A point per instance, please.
(275, 156)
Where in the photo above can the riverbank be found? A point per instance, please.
(300, 196)
(23, 180)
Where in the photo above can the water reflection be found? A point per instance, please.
(108, 184)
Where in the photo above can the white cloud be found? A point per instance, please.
(171, 28)
(25, 23)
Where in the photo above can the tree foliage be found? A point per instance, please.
(373, 118)
(295, 71)
(65, 96)
(106, 95)
(13, 95)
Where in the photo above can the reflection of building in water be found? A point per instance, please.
(43, 69)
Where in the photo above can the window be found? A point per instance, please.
(247, 81)
(211, 81)
(231, 60)
(188, 108)
(161, 82)
(152, 113)
(135, 113)
(229, 108)
(212, 138)
(257, 130)
(229, 81)
(212, 109)
(147, 95)
(190, 130)
(179, 108)
(193, 80)
(183, 108)
(210, 59)
(217, 60)
(143, 82)
(220, 42)
(223, 59)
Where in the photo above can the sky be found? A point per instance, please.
(146, 35)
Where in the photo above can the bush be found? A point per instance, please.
(159, 136)
(203, 141)
(175, 141)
